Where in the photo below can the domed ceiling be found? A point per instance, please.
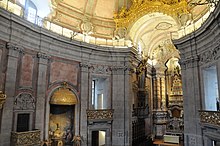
(146, 24)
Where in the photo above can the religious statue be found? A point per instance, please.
(77, 140)
(57, 133)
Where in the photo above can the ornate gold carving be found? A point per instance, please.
(139, 8)
(177, 86)
(26, 138)
(210, 117)
(63, 96)
(100, 114)
(2, 99)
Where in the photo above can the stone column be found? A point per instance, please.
(10, 89)
(121, 97)
(41, 92)
(160, 113)
(191, 78)
(84, 99)
(128, 106)
(160, 86)
(118, 135)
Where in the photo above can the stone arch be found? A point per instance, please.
(53, 89)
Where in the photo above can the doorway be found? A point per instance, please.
(99, 138)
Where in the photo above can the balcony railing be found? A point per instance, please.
(100, 115)
(210, 117)
(27, 138)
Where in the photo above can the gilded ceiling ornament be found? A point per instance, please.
(139, 8)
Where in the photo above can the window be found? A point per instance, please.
(30, 11)
(93, 92)
(100, 93)
(211, 88)
(31, 15)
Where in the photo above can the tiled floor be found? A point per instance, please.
(158, 142)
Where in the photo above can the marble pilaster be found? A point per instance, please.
(10, 89)
(41, 92)
(84, 102)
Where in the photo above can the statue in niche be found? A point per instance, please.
(57, 133)
(177, 70)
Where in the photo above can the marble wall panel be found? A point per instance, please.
(27, 70)
(61, 71)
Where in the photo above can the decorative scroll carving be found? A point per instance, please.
(24, 101)
(2, 99)
(106, 114)
(210, 55)
(210, 117)
(100, 69)
(26, 138)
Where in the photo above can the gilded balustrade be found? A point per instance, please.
(210, 117)
(27, 138)
(100, 115)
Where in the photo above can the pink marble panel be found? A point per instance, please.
(64, 72)
(27, 70)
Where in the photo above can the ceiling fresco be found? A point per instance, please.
(148, 23)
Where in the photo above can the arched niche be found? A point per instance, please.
(62, 115)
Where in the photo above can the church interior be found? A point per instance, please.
(109, 73)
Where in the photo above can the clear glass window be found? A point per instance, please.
(211, 88)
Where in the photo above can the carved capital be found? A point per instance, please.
(2, 46)
(118, 69)
(2, 99)
(84, 65)
(189, 62)
(43, 55)
(15, 47)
